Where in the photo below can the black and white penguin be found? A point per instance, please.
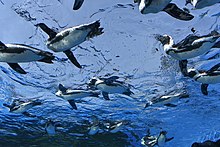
(71, 37)
(51, 126)
(151, 141)
(199, 4)
(189, 47)
(109, 86)
(155, 6)
(94, 128)
(114, 127)
(167, 100)
(13, 54)
(72, 95)
(77, 4)
(21, 107)
(206, 77)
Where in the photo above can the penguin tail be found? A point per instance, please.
(95, 29)
(36, 102)
(48, 57)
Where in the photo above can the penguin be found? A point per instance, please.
(70, 37)
(77, 4)
(151, 141)
(114, 127)
(167, 100)
(13, 54)
(21, 107)
(206, 77)
(50, 127)
(95, 126)
(199, 4)
(109, 85)
(207, 143)
(71, 95)
(189, 47)
(155, 6)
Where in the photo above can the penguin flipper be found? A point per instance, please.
(177, 13)
(168, 139)
(105, 95)
(73, 104)
(17, 68)
(72, 58)
(28, 114)
(183, 67)
(170, 105)
(204, 88)
(51, 33)
(77, 4)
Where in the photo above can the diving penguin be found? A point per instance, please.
(109, 85)
(199, 4)
(151, 141)
(189, 47)
(155, 6)
(206, 77)
(70, 37)
(77, 4)
(72, 95)
(21, 107)
(13, 54)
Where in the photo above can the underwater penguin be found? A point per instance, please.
(77, 4)
(110, 85)
(71, 95)
(199, 4)
(151, 141)
(206, 77)
(13, 54)
(155, 6)
(114, 127)
(21, 107)
(71, 37)
(189, 47)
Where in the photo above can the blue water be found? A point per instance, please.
(127, 49)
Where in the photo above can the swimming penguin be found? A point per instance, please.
(21, 107)
(13, 54)
(167, 100)
(109, 85)
(94, 128)
(71, 37)
(206, 77)
(151, 141)
(189, 47)
(114, 127)
(155, 6)
(199, 4)
(77, 4)
(207, 143)
(71, 95)
(50, 127)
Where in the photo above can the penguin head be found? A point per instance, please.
(192, 2)
(163, 133)
(192, 72)
(143, 4)
(93, 81)
(164, 39)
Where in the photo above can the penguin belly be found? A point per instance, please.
(111, 89)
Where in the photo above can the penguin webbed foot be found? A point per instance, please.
(16, 67)
(77, 4)
(72, 58)
(204, 89)
(177, 13)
